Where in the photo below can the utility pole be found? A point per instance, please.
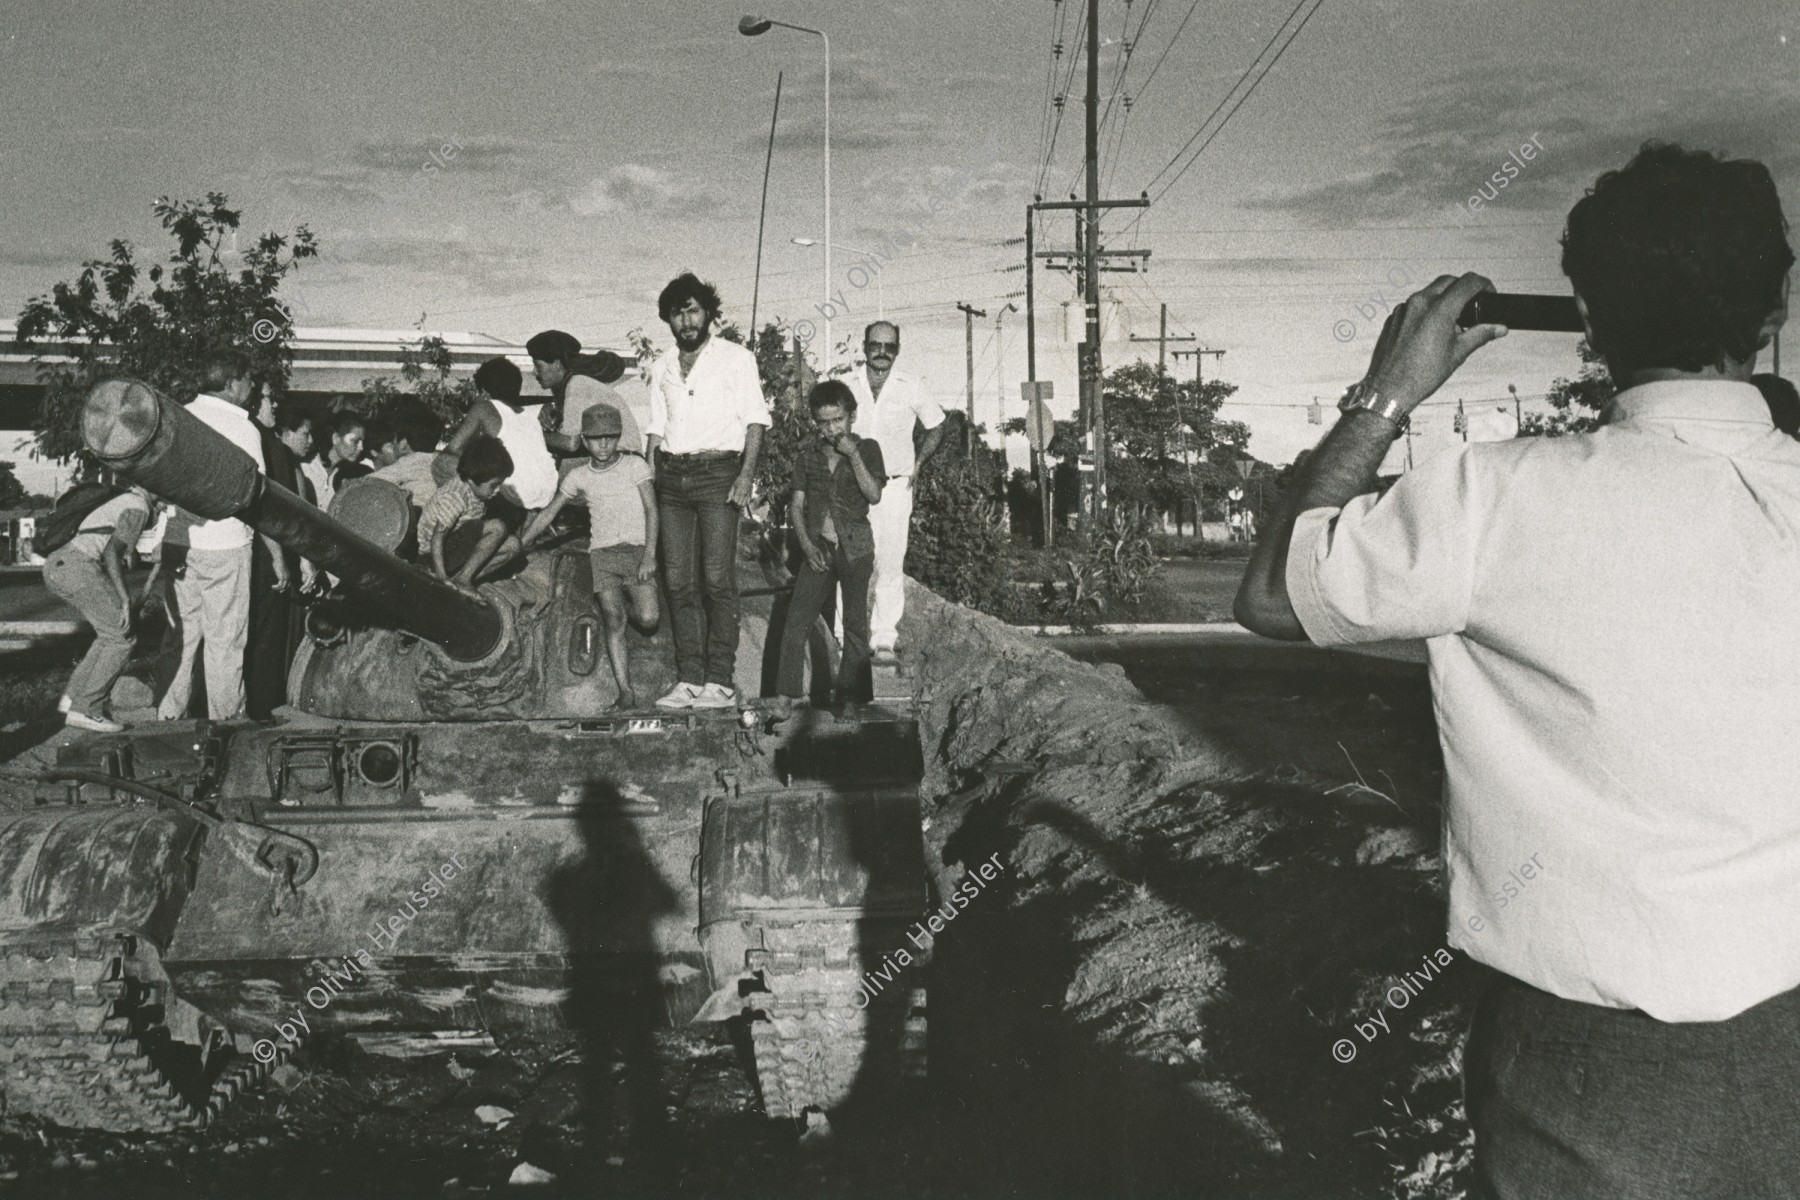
(1162, 340)
(969, 315)
(1092, 376)
(1000, 365)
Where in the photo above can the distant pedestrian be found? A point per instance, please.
(621, 502)
(89, 574)
(890, 404)
(837, 478)
(707, 417)
(214, 592)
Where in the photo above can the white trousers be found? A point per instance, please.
(891, 520)
(214, 597)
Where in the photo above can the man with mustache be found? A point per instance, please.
(707, 417)
(888, 403)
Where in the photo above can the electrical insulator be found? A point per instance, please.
(1056, 49)
(1127, 103)
(1059, 103)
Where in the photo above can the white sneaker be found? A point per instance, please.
(64, 705)
(715, 695)
(81, 720)
(682, 695)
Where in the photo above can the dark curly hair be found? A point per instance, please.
(684, 287)
(1680, 256)
(484, 459)
(832, 391)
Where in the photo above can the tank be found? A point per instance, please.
(448, 833)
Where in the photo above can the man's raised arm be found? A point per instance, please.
(1419, 348)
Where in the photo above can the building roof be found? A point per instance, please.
(327, 359)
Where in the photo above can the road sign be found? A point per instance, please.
(1236, 494)
(1040, 426)
(1037, 389)
(1245, 466)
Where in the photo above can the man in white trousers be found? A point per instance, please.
(888, 402)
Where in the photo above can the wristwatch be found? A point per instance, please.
(1362, 395)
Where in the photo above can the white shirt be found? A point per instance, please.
(237, 428)
(713, 407)
(533, 479)
(889, 418)
(1615, 662)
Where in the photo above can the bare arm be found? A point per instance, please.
(647, 493)
(482, 418)
(535, 527)
(277, 560)
(933, 437)
(865, 478)
(1419, 348)
(745, 485)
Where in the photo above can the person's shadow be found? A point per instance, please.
(608, 903)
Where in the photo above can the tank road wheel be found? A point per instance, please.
(814, 1044)
(83, 1041)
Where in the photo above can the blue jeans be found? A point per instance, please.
(699, 549)
(1578, 1102)
(812, 589)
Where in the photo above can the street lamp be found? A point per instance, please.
(756, 27)
(880, 303)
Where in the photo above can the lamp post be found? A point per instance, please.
(756, 27)
(880, 302)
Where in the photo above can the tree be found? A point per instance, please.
(425, 372)
(157, 323)
(1577, 403)
(1158, 426)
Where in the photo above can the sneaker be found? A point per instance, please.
(715, 695)
(81, 720)
(682, 695)
(64, 705)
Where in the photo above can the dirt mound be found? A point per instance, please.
(1159, 989)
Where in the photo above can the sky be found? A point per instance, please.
(599, 149)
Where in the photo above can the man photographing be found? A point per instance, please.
(1616, 676)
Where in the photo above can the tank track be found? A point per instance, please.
(83, 1043)
(813, 1045)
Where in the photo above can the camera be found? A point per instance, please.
(1546, 314)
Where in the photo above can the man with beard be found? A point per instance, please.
(707, 417)
(888, 404)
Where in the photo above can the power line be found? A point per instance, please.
(1068, 82)
(1157, 65)
(1228, 94)
(1317, 5)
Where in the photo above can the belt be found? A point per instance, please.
(704, 455)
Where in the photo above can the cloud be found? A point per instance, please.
(406, 154)
(626, 188)
(1439, 146)
(485, 269)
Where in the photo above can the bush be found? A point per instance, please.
(1101, 572)
(957, 547)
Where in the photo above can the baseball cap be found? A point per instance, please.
(601, 420)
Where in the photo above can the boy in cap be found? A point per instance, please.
(620, 495)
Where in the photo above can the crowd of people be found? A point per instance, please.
(662, 503)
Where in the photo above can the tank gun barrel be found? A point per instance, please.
(156, 443)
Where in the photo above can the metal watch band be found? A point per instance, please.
(1361, 396)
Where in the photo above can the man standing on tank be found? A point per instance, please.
(888, 404)
(707, 417)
